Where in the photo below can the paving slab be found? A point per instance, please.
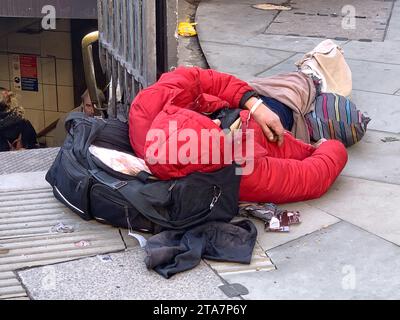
(235, 59)
(365, 74)
(29, 214)
(340, 262)
(375, 77)
(370, 205)
(260, 262)
(10, 287)
(27, 160)
(312, 220)
(385, 52)
(218, 21)
(23, 181)
(374, 159)
(326, 19)
(286, 43)
(27, 230)
(123, 276)
(394, 25)
(284, 67)
(383, 109)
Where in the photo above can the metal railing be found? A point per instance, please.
(127, 42)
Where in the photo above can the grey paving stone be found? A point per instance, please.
(373, 206)
(124, 277)
(340, 262)
(365, 74)
(366, 158)
(394, 25)
(259, 262)
(218, 21)
(383, 109)
(27, 160)
(241, 61)
(23, 181)
(375, 77)
(286, 43)
(312, 220)
(326, 18)
(385, 52)
(286, 66)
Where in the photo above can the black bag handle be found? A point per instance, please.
(72, 116)
(96, 125)
(106, 179)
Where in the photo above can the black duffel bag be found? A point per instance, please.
(94, 191)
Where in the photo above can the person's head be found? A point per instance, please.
(87, 105)
(9, 102)
(4, 97)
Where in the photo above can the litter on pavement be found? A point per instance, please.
(275, 219)
(82, 244)
(390, 139)
(186, 29)
(62, 228)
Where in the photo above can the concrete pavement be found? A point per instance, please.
(348, 244)
(92, 261)
(350, 236)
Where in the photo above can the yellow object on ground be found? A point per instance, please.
(186, 29)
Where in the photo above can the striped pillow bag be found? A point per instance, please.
(336, 117)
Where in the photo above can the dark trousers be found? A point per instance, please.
(10, 134)
(283, 111)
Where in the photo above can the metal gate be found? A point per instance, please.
(127, 42)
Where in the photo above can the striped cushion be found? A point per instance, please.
(336, 117)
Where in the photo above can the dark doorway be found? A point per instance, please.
(161, 37)
(79, 29)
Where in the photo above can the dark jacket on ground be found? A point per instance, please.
(170, 252)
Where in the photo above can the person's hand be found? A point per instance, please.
(269, 122)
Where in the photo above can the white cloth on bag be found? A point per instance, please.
(119, 161)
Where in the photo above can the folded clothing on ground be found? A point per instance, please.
(174, 251)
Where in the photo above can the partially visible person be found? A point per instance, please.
(314, 102)
(16, 132)
(308, 115)
(86, 107)
(284, 169)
